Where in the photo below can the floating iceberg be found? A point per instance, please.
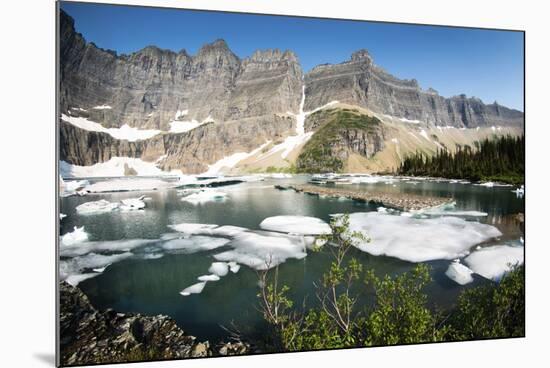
(78, 266)
(219, 269)
(192, 228)
(74, 280)
(79, 249)
(128, 185)
(62, 216)
(459, 273)
(303, 225)
(448, 209)
(493, 262)
(193, 289)
(195, 244)
(208, 278)
(419, 240)
(78, 235)
(132, 204)
(234, 267)
(206, 195)
(264, 250)
(95, 207)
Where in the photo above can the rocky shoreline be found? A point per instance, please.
(400, 201)
(89, 336)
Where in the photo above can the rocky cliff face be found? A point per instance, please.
(83, 147)
(89, 336)
(147, 88)
(360, 82)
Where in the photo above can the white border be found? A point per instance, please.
(27, 184)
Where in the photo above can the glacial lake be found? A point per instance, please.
(152, 286)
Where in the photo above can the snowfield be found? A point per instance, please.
(125, 132)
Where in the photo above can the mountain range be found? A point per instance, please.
(215, 112)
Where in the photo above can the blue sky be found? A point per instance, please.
(483, 63)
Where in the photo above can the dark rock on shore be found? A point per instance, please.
(89, 336)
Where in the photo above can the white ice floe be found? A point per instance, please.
(228, 231)
(102, 107)
(62, 216)
(419, 240)
(132, 204)
(153, 256)
(74, 280)
(73, 268)
(125, 132)
(219, 269)
(116, 167)
(262, 250)
(228, 162)
(95, 207)
(128, 185)
(234, 267)
(205, 195)
(493, 262)
(193, 289)
(303, 225)
(520, 192)
(459, 273)
(208, 278)
(193, 228)
(101, 269)
(195, 244)
(78, 235)
(74, 185)
(449, 209)
(82, 248)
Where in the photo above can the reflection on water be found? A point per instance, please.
(152, 286)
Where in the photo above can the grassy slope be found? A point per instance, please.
(319, 154)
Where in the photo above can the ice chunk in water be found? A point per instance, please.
(459, 273)
(208, 278)
(78, 235)
(131, 204)
(74, 280)
(419, 240)
(195, 244)
(193, 289)
(262, 250)
(219, 268)
(62, 216)
(192, 229)
(228, 231)
(95, 207)
(493, 262)
(234, 267)
(303, 225)
(205, 196)
(126, 185)
(103, 246)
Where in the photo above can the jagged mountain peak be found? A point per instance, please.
(361, 54)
